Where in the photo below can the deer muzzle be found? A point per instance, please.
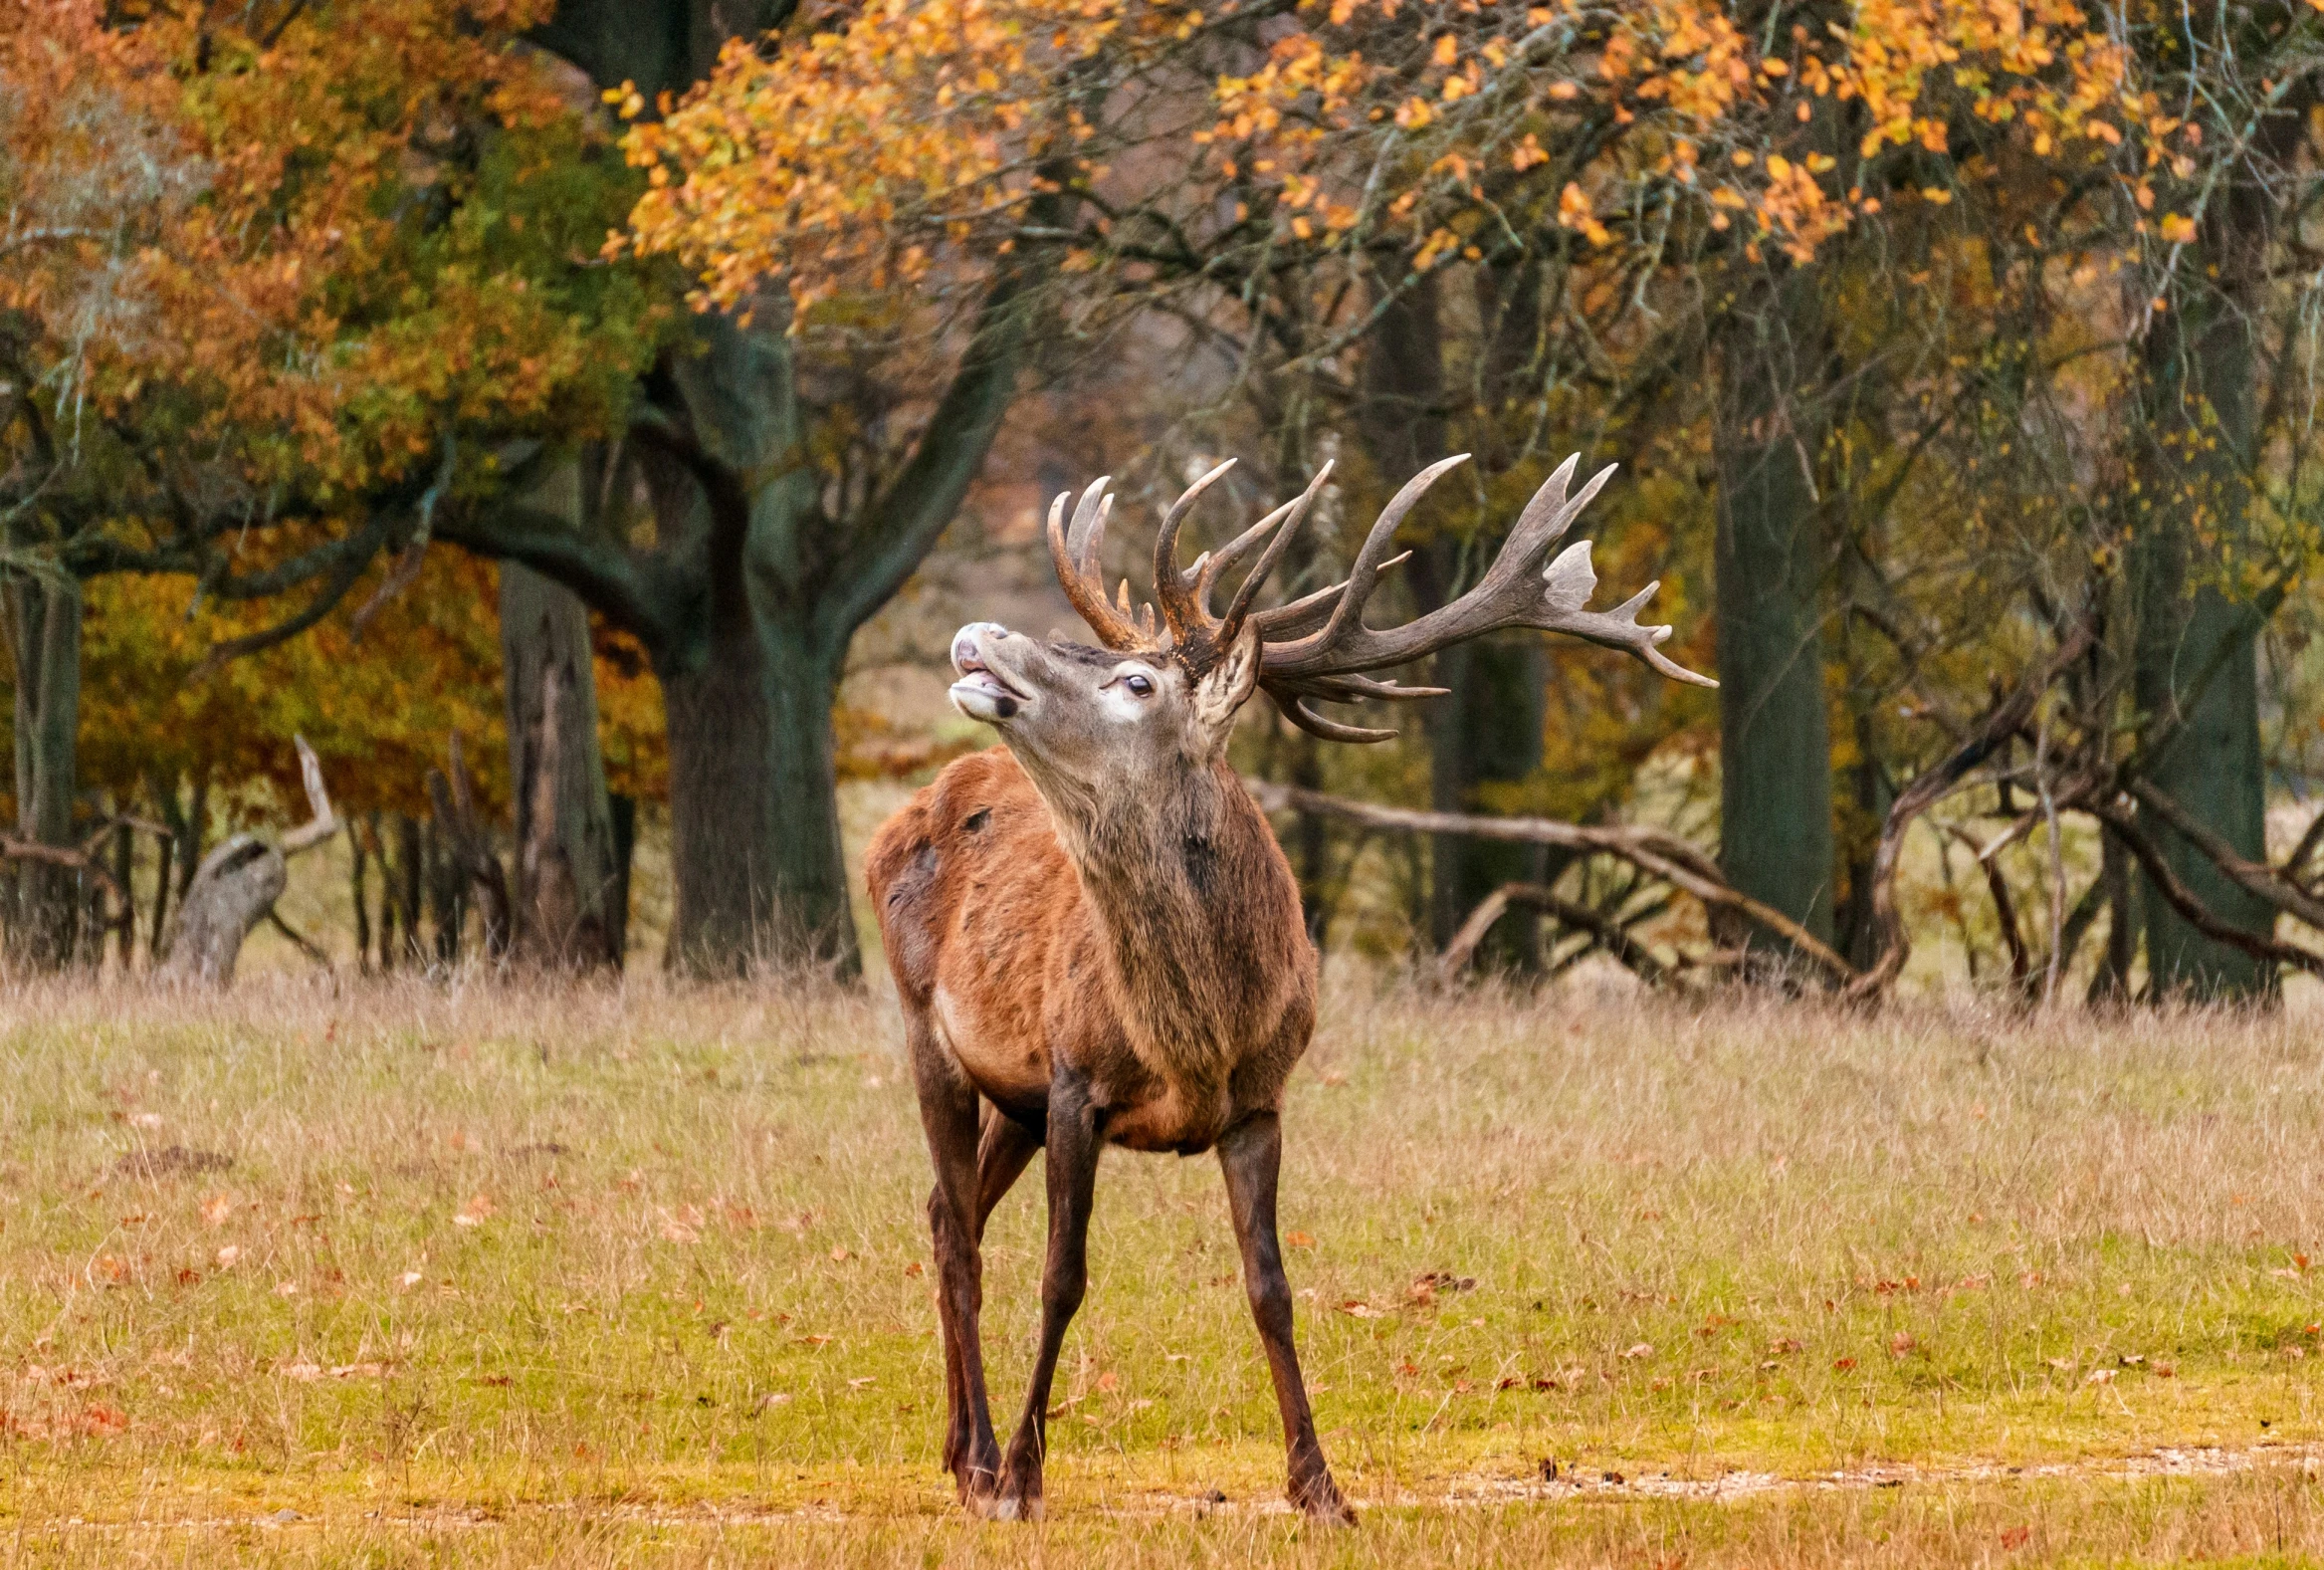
(983, 693)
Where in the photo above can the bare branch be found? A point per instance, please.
(325, 822)
(1609, 934)
(2125, 826)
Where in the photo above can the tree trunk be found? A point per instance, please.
(408, 886)
(2191, 504)
(754, 848)
(567, 877)
(126, 874)
(1775, 749)
(384, 927)
(358, 863)
(470, 860)
(44, 620)
(1487, 732)
(164, 874)
(1857, 929)
(2111, 982)
(625, 840)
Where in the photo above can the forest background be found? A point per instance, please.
(584, 423)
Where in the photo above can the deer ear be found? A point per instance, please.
(1228, 685)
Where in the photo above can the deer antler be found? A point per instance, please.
(1073, 554)
(1317, 647)
(1329, 661)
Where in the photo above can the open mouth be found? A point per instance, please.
(980, 693)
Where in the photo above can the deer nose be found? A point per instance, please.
(964, 655)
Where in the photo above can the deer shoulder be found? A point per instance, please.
(986, 929)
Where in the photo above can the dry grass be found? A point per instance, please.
(597, 1275)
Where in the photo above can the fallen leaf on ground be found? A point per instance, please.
(104, 1421)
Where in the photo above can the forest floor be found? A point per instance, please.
(391, 1273)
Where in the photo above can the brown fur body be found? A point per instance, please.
(1161, 956)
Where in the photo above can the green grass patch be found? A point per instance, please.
(512, 1269)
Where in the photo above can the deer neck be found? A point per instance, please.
(1194, 909)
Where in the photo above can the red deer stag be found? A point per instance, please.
(1096, 938)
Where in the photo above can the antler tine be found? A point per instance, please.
(1211, 564)
(1299, 714)
(1074, 555)
(1232, 624)
(1181, 608)
(1547, 517)
(1298, 617)
(1567, 585)
(1364, 576)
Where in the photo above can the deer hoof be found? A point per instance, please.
(1322, 1503)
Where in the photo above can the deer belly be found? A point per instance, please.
(1006, 1061)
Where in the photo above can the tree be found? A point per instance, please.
(759, 513)
(368, 228)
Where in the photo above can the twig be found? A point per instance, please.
(306, 945)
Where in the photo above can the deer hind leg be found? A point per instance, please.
(1251, 1155)
(1074, 1141)
(948, 1113)
(1002, 1154)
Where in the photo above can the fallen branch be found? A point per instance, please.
(83, 857)
(2124, 824)
(1609, 934)
(2255, 878)
(1664, 855)
(1987, 736)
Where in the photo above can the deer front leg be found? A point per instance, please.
(1251, 1155)
(947, 1112)
(1074, 1141)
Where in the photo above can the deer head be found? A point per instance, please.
(1155, 692)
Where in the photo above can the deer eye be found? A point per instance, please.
(1137, 685)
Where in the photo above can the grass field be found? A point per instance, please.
(602, 1277)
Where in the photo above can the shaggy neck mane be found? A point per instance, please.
(1185, 880)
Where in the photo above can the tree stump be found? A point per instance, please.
(236, 887)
